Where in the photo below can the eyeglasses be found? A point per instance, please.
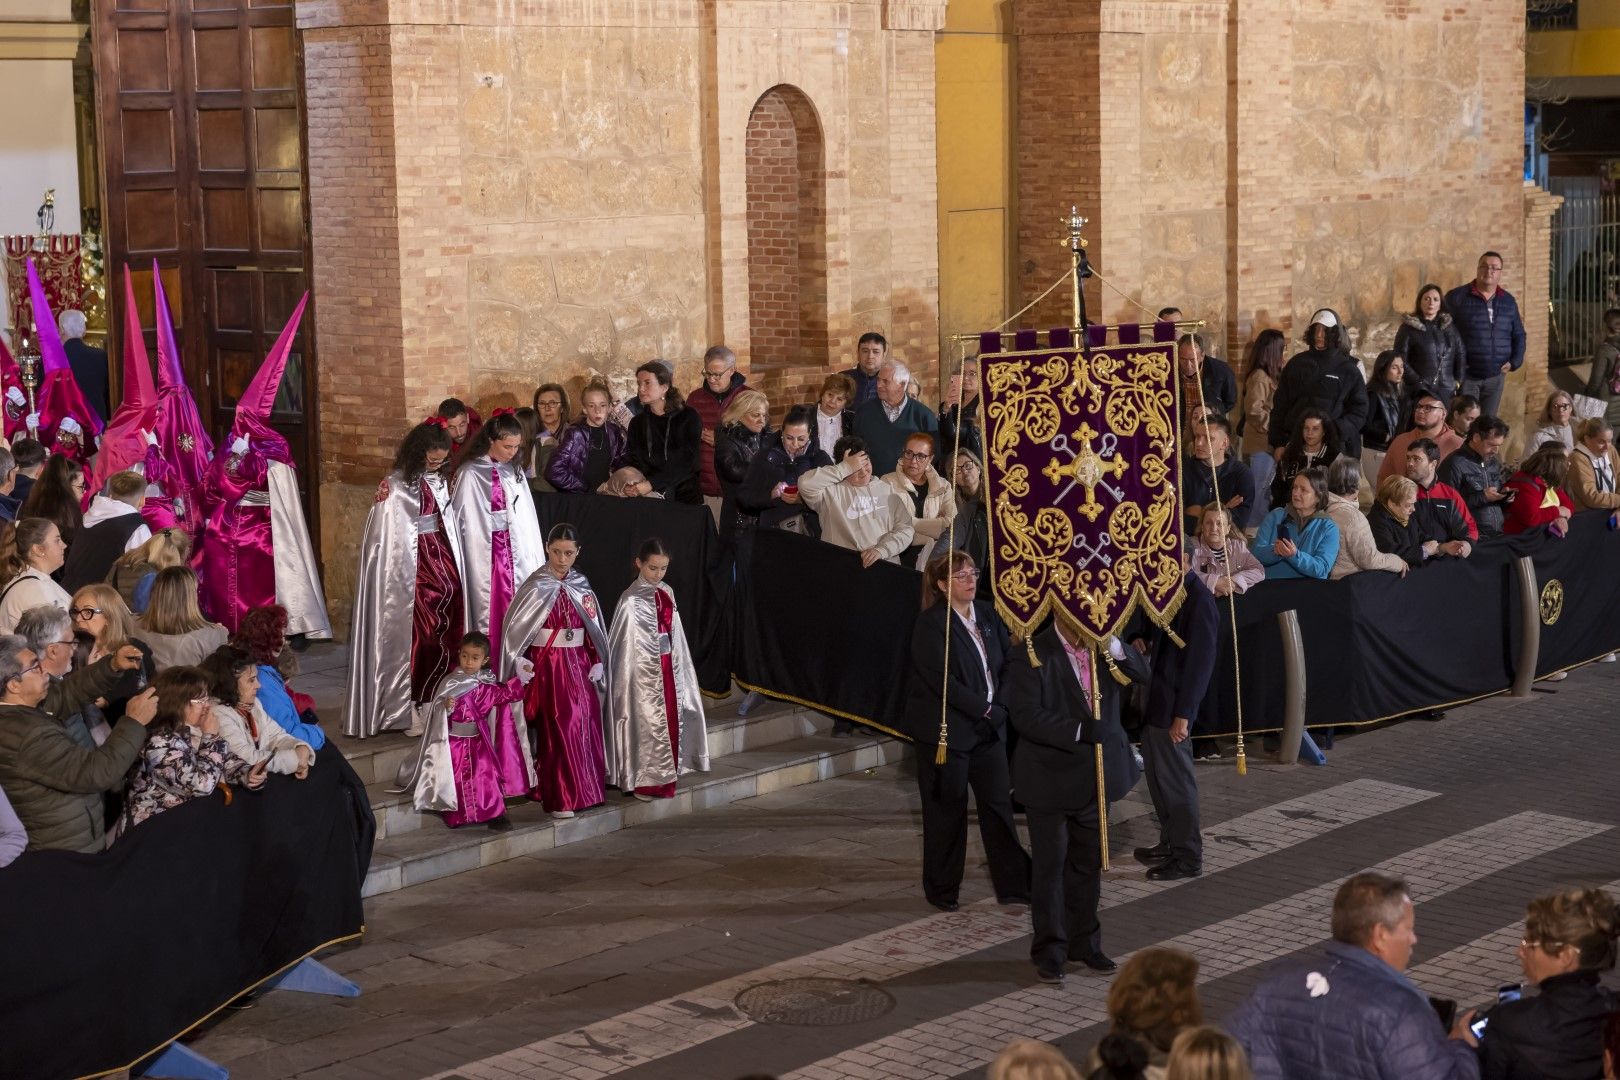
(550, 403)
(83, 614)
(915, 455)
(202, 701)
(969, 574)
(716, 374)
(1563, 406)
(35, 666)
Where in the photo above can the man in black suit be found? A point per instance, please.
(976, 736)
(1180, 679)
(1054, 771)
(89, 364)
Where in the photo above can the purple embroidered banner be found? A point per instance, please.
(1083, 477)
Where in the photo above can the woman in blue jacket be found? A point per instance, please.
(1299, 540)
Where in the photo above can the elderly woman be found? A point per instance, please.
(173, 626)
(1357, 549)
(590, 449)
(35, 553)
(1395, 526)
(1536, 497)
(185, 756)
(250, 732)
(1299, 540)
(1569, 942)
(744, 431)
(133, 572)
(833, 419)
(1222, 561)
(1555, 422)
(628, 483)
(929, 494)
(1594, 467)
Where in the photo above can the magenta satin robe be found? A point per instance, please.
(236, 567)
(473, 758)
(565, 716)
(437, 615)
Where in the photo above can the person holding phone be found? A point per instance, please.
(1299, 540)
(1569, 941)
(249, 731)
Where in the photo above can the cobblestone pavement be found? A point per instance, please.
(625, 955)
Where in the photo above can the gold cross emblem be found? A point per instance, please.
(1088, 470)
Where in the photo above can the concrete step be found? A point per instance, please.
(430, 851)
(377, 759)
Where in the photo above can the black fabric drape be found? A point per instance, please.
(110, 956)
(611, 532)
(817, 628)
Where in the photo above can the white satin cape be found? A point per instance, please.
(471, 497)
(298, 581)
(428, 774)
(381, 634)
(527, 615)
(638, 741)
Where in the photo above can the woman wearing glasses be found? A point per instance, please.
(1569, 942)
(964, 688)
(103, 625)
(1557, 423)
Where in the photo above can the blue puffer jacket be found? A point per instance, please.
(1370, 1024)
(1488, 342)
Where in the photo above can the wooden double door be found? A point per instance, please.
(200, 116)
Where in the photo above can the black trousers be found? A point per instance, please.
(944, 791)
(1067, 857)
(1172, 782)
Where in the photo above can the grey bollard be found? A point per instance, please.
(1524, 671)
(1293, 687)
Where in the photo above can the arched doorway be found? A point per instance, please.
(787, 246)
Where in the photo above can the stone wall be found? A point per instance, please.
(504, 195)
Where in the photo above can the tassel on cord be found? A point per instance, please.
(1113, 669)
(1029, 643)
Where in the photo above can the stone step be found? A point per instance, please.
(766, 725)
(433, 851)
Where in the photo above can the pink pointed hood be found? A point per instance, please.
(59, 397)
(14, 414)
(253, 408)
(182, 439)
(121, 444)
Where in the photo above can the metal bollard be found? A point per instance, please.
(1524, 670)
(1293, 687)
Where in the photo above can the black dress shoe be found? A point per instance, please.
(1148, 856)
(1010, 901)
(1096, 961)
(945, 905)
(1054, 978)
(1174, 871)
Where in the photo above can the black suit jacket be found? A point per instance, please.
(1181, 676)
(815, 428)
(89, 366)
(966, 723)
(1051, 769)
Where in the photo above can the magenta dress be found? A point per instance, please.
(173, 509)
(503, 580)
(236, 567)
(565, 715)
(437, 616)
(480, 794)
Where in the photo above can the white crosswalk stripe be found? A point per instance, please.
(952, 1045)
(684, 1021)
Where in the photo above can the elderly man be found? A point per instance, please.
(72, 693)
(1349, 1011)
(1487, 320)
(1476, 471)
(870, 352)
(887, 421)
(1428, 422)
(1205, 380)
(721, 382)
(1211, 470)
(88, 363)
(54, 784)
(1441, 511)
(857, 511)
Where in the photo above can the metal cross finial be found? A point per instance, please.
(1076, 225)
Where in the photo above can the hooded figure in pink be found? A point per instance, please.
(178, 450)
(13, 402)
(256, 547)
(123, 444)
(66, 425)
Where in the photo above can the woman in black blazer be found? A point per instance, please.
(976, 734)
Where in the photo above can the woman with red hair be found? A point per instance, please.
(262, 634)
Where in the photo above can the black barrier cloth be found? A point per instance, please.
(108, 957)
(818, 629)
(1378, 646)
(611, 532)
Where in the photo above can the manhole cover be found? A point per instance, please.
(813, 1002)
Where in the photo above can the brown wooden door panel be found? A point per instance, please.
(200, 105)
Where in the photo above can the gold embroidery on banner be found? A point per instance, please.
(1125, 394)
(1552, 601)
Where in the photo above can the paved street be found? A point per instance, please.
(656, 951)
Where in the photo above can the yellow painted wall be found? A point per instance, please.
(973, 63)
(1593, 48)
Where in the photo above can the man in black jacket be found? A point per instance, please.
(1054, 772)
(1206, 381)
(1180, 679)
(1325, 376)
